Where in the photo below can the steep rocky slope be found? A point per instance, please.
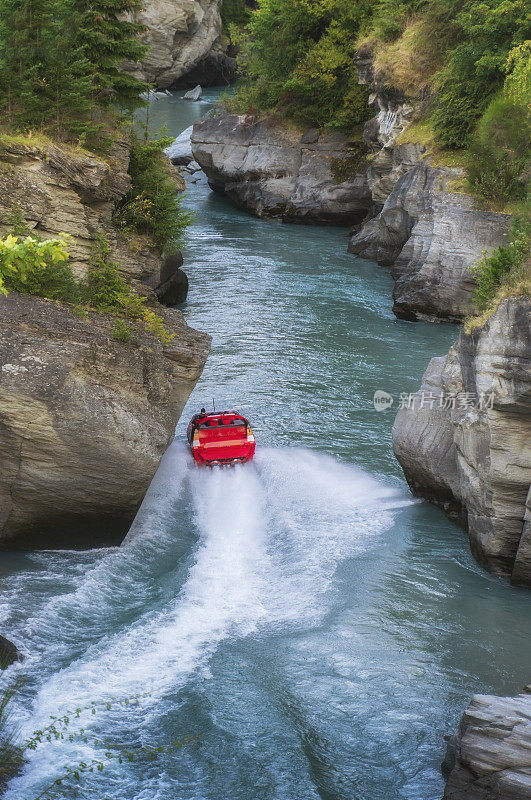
(425, 230)
(62, 190)
(84, 419)
(464, 440)
(183, 36)
(274, 171)
(490, 758)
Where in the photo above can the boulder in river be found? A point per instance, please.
(194, 94)
(464, 439)
(276, 172)
(490, 757)
(173, 287)
(8, 653)
(180, 152)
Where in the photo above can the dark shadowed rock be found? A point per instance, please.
(472, 456)
(270, 171)
(216, 69)
(173, 287)
(8, 653)
(490, 756)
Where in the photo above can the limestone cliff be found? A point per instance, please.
(464, 440)
(181, 35)
(277, 172)
(490, 758)
(67, 190)
(425, 230)
(84, 419)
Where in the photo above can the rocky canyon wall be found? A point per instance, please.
(84, 419)
(464, 441)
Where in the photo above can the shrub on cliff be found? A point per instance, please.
(500, 153)
(300, 61)
(507, 266)
(152, 206)
(31, 266)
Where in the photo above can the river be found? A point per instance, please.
(314, 629)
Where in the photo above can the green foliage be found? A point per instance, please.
(505, 264)
(391, 17)
(517, 87)
(485, 32)
(234, 12)
(300, 61)
(60, 63)
(153, 207)
(121, 332)
(36, 267)
(41, 268)
(500, 152)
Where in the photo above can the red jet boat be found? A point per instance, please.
(220, 439)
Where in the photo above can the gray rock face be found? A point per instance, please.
(194, 94)
(273, 172)
(62, 191)
(472, 455)
(492, 759)
(427, 232)
(180, 152)
(430, 236)
(180, 34)
(84, 419)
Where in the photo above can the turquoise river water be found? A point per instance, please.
(315, 629)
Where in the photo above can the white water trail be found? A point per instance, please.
(270, 537)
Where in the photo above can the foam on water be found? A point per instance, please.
(263, 543)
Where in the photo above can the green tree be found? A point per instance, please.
(108, 34)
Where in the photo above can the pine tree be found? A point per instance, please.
(109, 34)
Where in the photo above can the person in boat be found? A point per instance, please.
(194, 420)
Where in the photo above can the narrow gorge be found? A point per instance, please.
(348, 616)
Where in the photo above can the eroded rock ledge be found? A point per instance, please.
(490, 758)
(472, 457)
(84, 419)
(275, 172)
(428, 232)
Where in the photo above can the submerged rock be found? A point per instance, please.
(274, 172)
(85, 419)
(194, 94)
(464, 440)
(490, 758)
(180, 152)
